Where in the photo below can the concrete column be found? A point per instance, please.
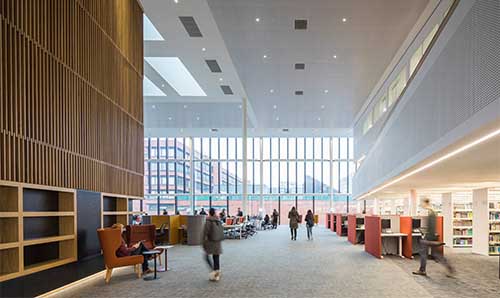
(261, 197)
(245, 157)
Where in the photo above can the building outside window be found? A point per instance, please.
(309, 173)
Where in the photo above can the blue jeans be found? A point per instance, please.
(309, 231)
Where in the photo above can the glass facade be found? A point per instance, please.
(306, 172)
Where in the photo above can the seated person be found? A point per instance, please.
(239, 213)
(222, 215)
(266, 221)
(203, 212)
(136, 249)
(136, 220)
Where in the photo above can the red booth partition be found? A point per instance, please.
(351, 228)
(373, 239)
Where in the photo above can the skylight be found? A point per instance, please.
(177, 75)
(150, 32)
(150, 89)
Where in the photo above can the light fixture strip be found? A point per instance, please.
(434, 162)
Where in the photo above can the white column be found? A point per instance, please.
(193, 174)
(375, 206)
(245, 157)
(331, 174)
(447, 205)
(413, 202)
(261, 198)
(480, 223)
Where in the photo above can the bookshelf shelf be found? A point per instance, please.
(462, 236)
(37, 228)
(117, 209)
(462, 245)
(47, 240)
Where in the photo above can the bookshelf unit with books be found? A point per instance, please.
(494, 222)
(462, 220)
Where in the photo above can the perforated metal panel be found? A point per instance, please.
(463, 80)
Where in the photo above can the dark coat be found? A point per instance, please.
(294, 219)
(211, 247)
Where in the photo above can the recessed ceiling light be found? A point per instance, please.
(169, 118)
(176, 1)
(344, 20)
(334, 56)
(265, 56)
(198, 118)
(153, 107)
(272, 90)
(203, 49)
(220, 79)
(326, 90)
(182, 129)
(275, 106)
(185, 106)
(257, 20)
(385, 109)
(240, 106)
(163, 85)
(319, 118)
(277, 118)
(322, 107)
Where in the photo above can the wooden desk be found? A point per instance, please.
(400, 241)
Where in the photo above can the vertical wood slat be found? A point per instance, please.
(68, 118)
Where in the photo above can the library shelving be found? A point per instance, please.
(462, 223)
(494, 222)
(118, 209)
(37, 228)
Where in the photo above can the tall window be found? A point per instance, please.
(306, 172)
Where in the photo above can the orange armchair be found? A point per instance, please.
(110, 240)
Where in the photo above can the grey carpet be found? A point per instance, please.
(270, 265)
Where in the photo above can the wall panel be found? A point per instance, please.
(71, 94)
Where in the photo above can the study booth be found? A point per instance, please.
(333, 222)
(341, 223)
(396, 235)
(180, 229)
(356, 228)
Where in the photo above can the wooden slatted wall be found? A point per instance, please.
(71, 94)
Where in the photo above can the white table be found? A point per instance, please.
(233, 227)
(163, 257)
(400, 241)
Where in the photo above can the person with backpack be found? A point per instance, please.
(431, 240)
(309, 224)
(213, 234)
(294, 217)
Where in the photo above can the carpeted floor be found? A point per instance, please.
(270, 265)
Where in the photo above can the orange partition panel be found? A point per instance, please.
(406, 228)
(174, 224)
(339, 224)
(351, 228)
(373, 239)
(439, 231)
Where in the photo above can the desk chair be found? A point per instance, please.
(161, 234)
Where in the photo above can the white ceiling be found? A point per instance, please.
(364, 46)
(477, 167)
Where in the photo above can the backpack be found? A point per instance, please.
(216, 232)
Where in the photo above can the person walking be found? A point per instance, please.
(309, 224)
(431, 240)
(293, 215)
(275, 219)
(213, 234)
